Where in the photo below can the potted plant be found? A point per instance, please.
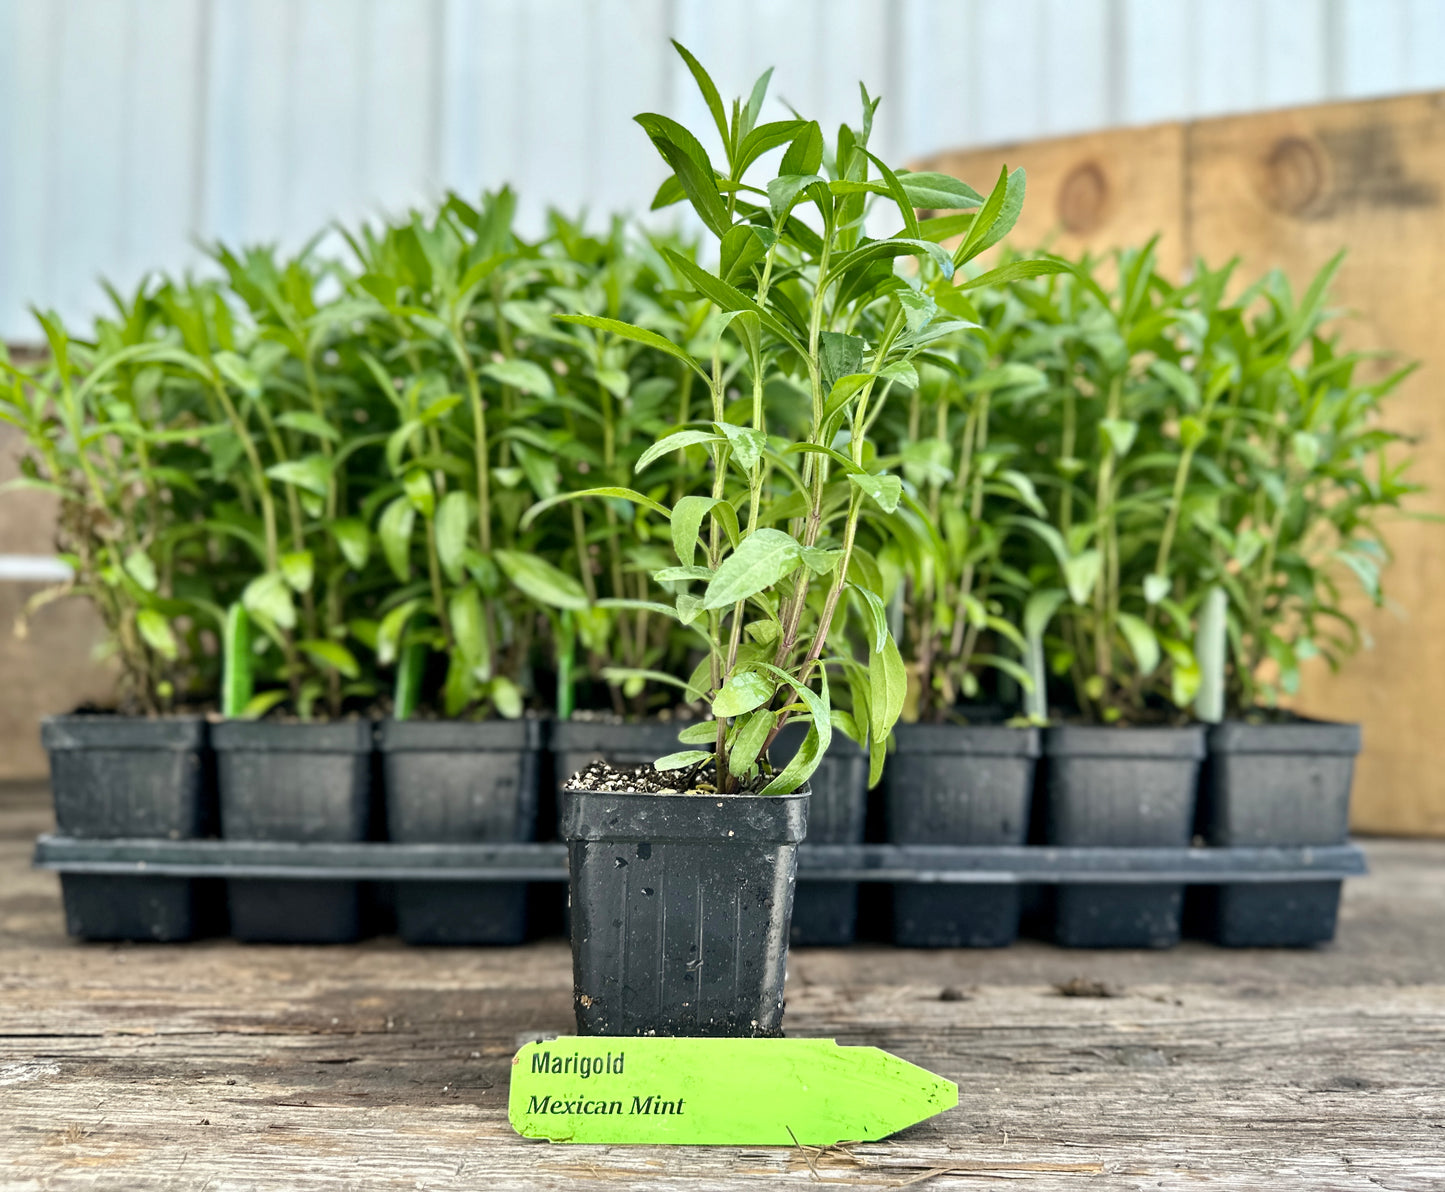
(108, 437)
(1300, 473)
(961, 770)
(466, 430)
(1120, 421)
(765, 561)
(278, 397)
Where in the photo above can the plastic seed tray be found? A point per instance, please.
(1120, 897)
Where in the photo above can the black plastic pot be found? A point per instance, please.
(460, 782)
(296, 782)
(1277, 784)
(122, 777)
(825, 913)
(958, 784)
(680, 908)
(1126, 788)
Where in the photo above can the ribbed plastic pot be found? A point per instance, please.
(1123, 787)
(1277, 784)
(825, 914)
(680, 909)
(295, 782)
(958, 784)
(118, 777)
(460, 782)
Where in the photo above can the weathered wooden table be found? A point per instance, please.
(224, 1066)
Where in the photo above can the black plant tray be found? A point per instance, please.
(1263, 896)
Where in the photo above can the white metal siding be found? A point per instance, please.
(130, 129)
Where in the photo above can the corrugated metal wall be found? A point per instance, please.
(131, 128)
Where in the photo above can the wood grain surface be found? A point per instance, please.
(223, 1066)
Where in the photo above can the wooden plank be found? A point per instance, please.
(1092, 190)
(373, 1065)
(1287, 190)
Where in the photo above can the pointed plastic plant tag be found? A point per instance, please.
(738, 1092)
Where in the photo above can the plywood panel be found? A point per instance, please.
(1286, 190)
(1088, 191)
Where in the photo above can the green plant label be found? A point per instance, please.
(738, 1092)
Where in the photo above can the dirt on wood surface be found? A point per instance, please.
(226, 1066)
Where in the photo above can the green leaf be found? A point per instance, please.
(621, 674)
(299, 569)
(805, 154)
(156, 631)
(468, 624)
(760, 561)
(687, 518)
(708, 89)
(453, 524)
(839, 355)
(815, 744)
(727, 297)
(748, 742)
(877, 613)
(638, 335)
(311, 473)
(506, 698)
(1081, 572)
(675, 442)
(621, 494)
(704, 732)
(388, 633)
(394, 530)
(743, 692)
(257, 706)
(682, 759)
(522, 375)
(747, 443)
(939, 192)
(354, 540)
(269, 596)
(236, 685)
(1142, 642)
(783, 193)
(139, 567)
(689, 161)
(331, 654)
(1016, 271)
(540, 580)
(888, 688)
(1119, 433)
(417, 486)
(406, 693)
(309, 423)
(1024, 486)
(886, 491)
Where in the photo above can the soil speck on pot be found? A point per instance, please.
(952, 993)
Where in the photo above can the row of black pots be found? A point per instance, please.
(184, 778)
(1284, 784)
(1229, 785)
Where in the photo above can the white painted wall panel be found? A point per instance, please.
(131, 128)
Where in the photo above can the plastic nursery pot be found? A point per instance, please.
(462, 782)
(825, 914)
(680, 908)
(966, 785)
(1277, 784)
(295, 782)
(122, 777)
(1126, 788)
